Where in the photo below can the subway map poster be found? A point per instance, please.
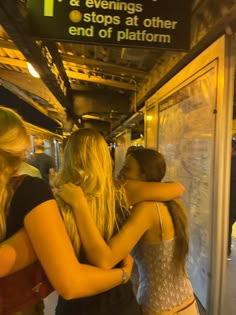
(186, 138)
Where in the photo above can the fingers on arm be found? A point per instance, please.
(52, 245)
(16, 253)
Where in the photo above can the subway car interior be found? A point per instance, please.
(153, 85)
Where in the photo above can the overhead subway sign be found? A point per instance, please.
(150, 23)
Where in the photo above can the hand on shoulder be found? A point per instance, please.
(71, 194)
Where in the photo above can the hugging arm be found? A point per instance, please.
(98, 252)
(52, 245)
(138, 191)
(47, 234)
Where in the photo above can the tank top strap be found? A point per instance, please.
(161, 224)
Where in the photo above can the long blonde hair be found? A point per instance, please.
(87, 162)
(14, 140)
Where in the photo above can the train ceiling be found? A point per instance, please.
(108, 85)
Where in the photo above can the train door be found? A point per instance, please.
(193, 112)
(57, 153)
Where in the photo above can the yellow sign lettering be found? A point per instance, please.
(48, 8)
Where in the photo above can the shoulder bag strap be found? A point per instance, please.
(15, 183)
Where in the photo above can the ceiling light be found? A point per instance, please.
(32, 71)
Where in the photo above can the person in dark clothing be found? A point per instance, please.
(43, 162)
(232, 202)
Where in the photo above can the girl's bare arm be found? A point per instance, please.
(45, 235)
(138, 191)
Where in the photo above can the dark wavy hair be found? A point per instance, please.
(153, 165)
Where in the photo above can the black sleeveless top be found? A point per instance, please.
(117, 301)
(120, 300)
(31, 192)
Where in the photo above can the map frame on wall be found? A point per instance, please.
(186, 138)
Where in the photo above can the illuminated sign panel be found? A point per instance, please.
(150, 23)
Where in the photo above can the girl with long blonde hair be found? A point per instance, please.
(93, 172)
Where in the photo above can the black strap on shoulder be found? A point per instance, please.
(15, 183)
